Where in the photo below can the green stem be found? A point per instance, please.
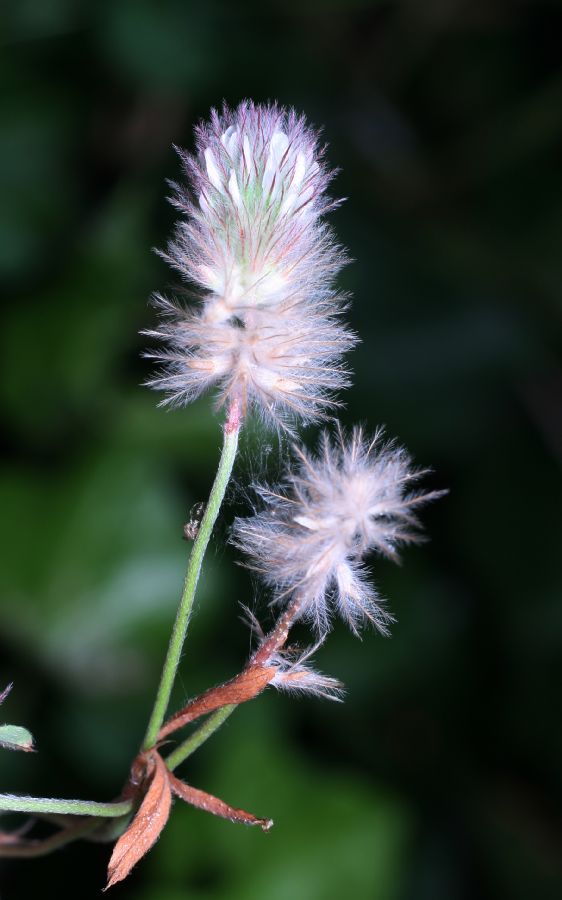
(228, 455)
(194, 741)
(13, 803)
(269, 645)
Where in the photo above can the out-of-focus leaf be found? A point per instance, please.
(334, 831)
(14, 737)
(110, 561)
(166, 44)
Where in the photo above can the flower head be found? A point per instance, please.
(267, 326)
(311, 537)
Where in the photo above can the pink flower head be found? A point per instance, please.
(311, 538)
(252, 241)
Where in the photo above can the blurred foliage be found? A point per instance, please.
(441, 776)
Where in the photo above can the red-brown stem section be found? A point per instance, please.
(225, 705)
(217, 807)
(277, 637)
(253, 679)
(234, 419)
(245, 686)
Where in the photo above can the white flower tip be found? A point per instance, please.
(212, 170)
(267, 313)
(278, 145)
(233, 188)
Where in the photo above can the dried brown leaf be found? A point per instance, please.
(144, 830)
(251, 682)
(217, 807)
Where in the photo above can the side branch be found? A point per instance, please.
(221, 701)
(251, 682)
(13, 803)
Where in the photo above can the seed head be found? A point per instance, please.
(312, 535)
(266, 328)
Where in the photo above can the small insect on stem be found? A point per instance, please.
(191, 528)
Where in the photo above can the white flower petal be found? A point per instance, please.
(300, 169)
(233, 188)
(212, 170)
(205, 205)
(247, 153)
(272, 179)
(232, 142)
(278, 145)
(289, 203)
(307, 522)
(226, 135)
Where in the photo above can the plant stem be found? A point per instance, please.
(199, 736)
(269, 645)
(12, 803)
(32, 849)
(228, 455)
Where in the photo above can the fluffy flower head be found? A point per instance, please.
(313, 533)
(254, 236)
(266, 328)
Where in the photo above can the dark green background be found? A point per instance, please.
(440, 778)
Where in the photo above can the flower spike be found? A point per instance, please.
(266, 329)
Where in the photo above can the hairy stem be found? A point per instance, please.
(228, 455)
(13, 803)
(199, 736)
(269, 645)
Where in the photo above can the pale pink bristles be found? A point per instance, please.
(313, 533)
(266, 328)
